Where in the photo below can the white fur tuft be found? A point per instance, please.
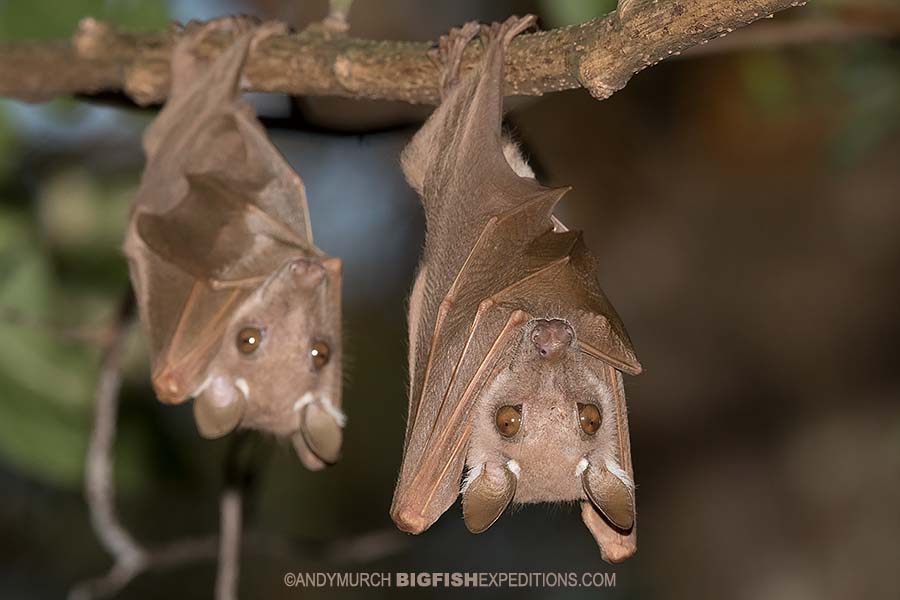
(516, 161)
(614, 468)
(581, 467)
(241, 384)
(305, 399)
(513, 466)
(339, 417)
(471, 476)
(202, 387)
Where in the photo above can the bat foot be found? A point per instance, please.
(236, 24)
(196, 33)
(266, 30)
(507, 30)
(450, 52)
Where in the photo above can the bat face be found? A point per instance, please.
(547, 417)
(278, 367)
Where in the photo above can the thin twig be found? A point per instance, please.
(129, 557)
(600, 55)
(241, 470)
(229, 545)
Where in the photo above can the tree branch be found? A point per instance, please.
(600, 55)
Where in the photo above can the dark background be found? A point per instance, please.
(745, 207)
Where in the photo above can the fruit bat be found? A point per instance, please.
(241, 310)
(515, 353)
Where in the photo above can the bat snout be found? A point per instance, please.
(551, 338)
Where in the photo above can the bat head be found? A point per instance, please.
(545, 430)
(278, 367)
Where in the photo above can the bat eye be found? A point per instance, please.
(589, 415)
(509, 419)
(248, 340)
(320, 353)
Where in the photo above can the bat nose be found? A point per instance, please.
(552, 338)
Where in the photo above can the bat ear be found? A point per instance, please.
(487, 495)
(219, 408)
(611, 494)
(321, 432)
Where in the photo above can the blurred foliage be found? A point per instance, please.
(46, 385)
(48, 19)
(7, 144)
(767, 80)
(861, 80)
(870, 82)
(557, 13)
(61, 274)
(51, 324)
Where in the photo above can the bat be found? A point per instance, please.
(515, 354)
(241, 310)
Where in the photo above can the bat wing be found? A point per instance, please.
(599, 330)
(219, 210)
(218, 233)
(202, 258)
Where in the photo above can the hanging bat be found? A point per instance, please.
(515, 354)
(241, 310)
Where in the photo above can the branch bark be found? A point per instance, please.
(600, 55)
